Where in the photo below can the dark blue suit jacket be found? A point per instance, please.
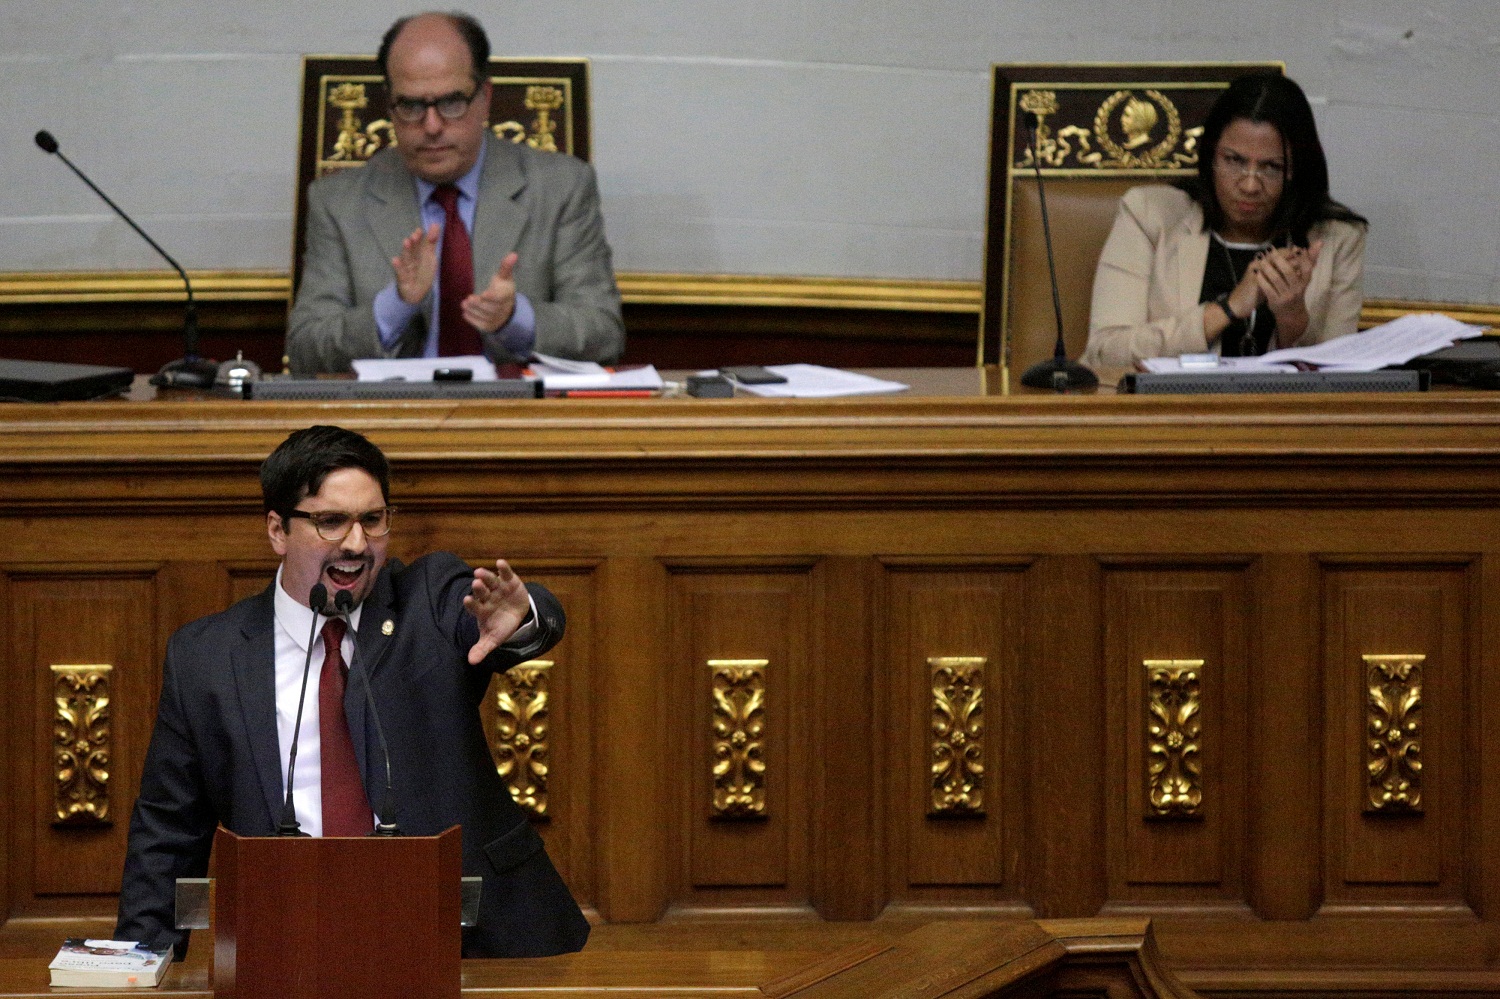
(214, 757)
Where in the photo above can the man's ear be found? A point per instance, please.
(276, 531)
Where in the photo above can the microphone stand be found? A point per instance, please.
(190, 370)
(1057, 372)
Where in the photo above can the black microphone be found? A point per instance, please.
(1057, 372)
(343, 602)
(190, 370)
(317, 599)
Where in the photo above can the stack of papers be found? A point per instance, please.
(1392, 343)
(584, 377)
(813, 381)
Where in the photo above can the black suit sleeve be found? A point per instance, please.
(171, 828)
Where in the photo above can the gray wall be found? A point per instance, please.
(750, 137)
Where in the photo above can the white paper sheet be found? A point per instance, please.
(420, 369)
(813, 381)
(1395, 342)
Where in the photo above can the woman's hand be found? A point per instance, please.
(1282, 275)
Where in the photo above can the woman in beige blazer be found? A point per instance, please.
(1250, 255)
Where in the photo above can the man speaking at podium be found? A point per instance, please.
(425, 637)
(454, 242)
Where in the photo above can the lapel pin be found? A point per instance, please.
(387, 627)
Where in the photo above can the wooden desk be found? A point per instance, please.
(1117, 957)
(885, 557)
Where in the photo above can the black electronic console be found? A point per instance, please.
(1472, 363)
(1273, 382)
(334, 389)
(54, 381)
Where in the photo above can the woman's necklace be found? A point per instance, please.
(1247, 341)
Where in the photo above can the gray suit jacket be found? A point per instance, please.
(542, 206)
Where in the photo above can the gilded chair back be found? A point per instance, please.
(1101, 129)
(541, 102)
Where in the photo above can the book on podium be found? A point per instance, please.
(375, 917)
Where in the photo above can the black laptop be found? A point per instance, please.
(51, 381)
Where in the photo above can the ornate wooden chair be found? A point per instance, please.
(542, 102)
(1102, 129)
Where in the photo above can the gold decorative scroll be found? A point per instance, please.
(1174, 780)
(520, 745)
(1394, 721)
(737, 753)
(957, 735)
(1136, 128)
(544, 101)
(80, 745)
(356, 141)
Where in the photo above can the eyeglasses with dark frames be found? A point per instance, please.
(451, 107)
(335, 525)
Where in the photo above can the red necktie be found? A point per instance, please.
(455, 280)
(345, 810)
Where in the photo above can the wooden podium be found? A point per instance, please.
(334, 917)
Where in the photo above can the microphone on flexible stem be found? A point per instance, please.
(343, 602)
(317, 599)
(1057, 372)
(190, 370)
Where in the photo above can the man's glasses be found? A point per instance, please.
(1236, 166)
(334, 525)
(451, 107)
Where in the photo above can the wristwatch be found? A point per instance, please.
(1223, 302)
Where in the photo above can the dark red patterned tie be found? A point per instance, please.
(345, 810)
(455, 280)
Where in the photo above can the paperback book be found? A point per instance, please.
(108, 964)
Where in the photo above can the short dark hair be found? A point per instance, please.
(1278, 101)
(468, 28)
(298, 466)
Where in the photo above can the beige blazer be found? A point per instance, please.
(1151, 272)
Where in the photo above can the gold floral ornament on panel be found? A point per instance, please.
(1174, 779)
(355, 141)
(957, 735)
(520, 747)
(1123, 136)
(1394, 719)
(544, 100)
(80, 745)
(737, 750)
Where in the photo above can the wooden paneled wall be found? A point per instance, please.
(1223, 662)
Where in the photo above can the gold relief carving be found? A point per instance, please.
(80, 745)
(957, 735)
(520, 746)
(1134, 115)
(1174, 781)
(544, 101)
(737, 754)
(355, 142)
(1394, 719)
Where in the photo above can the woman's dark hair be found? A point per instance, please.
(1278, 101)
(297, 468)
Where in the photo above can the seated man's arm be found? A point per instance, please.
(331, 323)
(582, 319)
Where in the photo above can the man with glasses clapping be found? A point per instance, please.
(454, 242)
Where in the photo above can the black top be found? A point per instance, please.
(1222, 272)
